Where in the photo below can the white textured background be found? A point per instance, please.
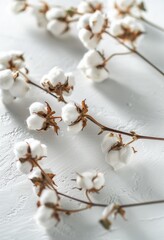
(132, 99)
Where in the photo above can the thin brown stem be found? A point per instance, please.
(151, 24)
(49, 180)
(104, 128)
(141, 204)
(36, 85)
(88, 197)
(137, 53)
(130, 134)
(116, 54)
(69, 211)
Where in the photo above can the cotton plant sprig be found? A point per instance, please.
(134, 8)
(94, 64)
(56, 19)
(29, 153)
(15, 83)
(12, 84)
(74, 115)
(92, 23)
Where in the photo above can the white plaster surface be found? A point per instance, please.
(132, 99)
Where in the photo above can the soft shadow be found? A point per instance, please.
(123, 97)
(70, 43)
(152, 46)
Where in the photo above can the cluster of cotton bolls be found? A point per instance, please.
(125, 7)
(41, 117)
(93, 66)
(58, 82)
(27, 153)
(90, 181)
(36, 121)
(74, 116)
(12, 84)
(117, 154)
(93, 22)
(38, 10)
(91, 28)
(55, 19)
(47, 215)
(127, 29)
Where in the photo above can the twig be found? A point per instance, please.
(137, 53)
(130, 134)
(151, 23)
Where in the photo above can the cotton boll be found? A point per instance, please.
(99, 181)
(6, 96)
(19, 88)
(69, 113)
(25, 167)
(116, 28)
(36, 148)
(6, 79)
(34, 122)
(108, 142)
(20, 149)
(89, 40)
(44, 217)
(48, 196)
(55, 13)
(37, 107)
(84, 180)
(75, 128)
(18, 6)
(83, 21)
(57, 27)
(93, 58)
(96, 22)
(56, 75)
(119, 158)
(96, 74)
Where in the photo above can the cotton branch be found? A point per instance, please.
(137, 53)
